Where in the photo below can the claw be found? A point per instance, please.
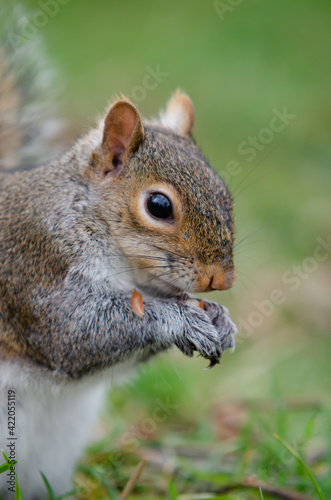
(213, 362)
(183, 297)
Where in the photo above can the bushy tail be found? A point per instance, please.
(28, 124)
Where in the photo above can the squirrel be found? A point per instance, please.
(132, 204)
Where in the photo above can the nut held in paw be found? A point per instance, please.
(196, 303)
(137, 303)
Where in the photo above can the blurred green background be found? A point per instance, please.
(238, 63)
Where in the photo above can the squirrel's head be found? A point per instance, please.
(167, 210)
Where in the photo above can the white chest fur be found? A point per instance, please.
(54, 422)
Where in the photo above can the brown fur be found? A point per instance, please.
(203, 229)
(55, 218)
(76, 238)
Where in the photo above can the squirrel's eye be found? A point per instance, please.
(159, 206)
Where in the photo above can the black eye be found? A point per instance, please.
(159, 206)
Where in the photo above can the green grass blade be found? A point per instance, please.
(48, 487)
(304, 465)
(70, 493)
(6, 466)
(51, 492)
(261, 494)
(5, 456)
(18, 491)
(172, 491)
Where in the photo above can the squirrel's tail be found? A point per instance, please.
(28, 125)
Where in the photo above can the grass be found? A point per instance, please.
(207, 447)
(305, 467)
(217, 441)
(9, 465)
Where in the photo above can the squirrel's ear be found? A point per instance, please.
(123, 132)
(179, 115)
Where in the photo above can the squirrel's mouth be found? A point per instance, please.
(161, 289)
(174, 291)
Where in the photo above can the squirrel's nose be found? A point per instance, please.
(223, 280)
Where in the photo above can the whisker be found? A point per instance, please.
(165, 250)
(249, 235)
(139, 256)
(245, 257)
(247, 276)
(159, 276)
(129, 269)
(170, 251)
(235, 192)
(246, 244)
(241, 282)
(171, 282)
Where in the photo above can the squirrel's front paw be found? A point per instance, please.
(219, 317)
(199, 335)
